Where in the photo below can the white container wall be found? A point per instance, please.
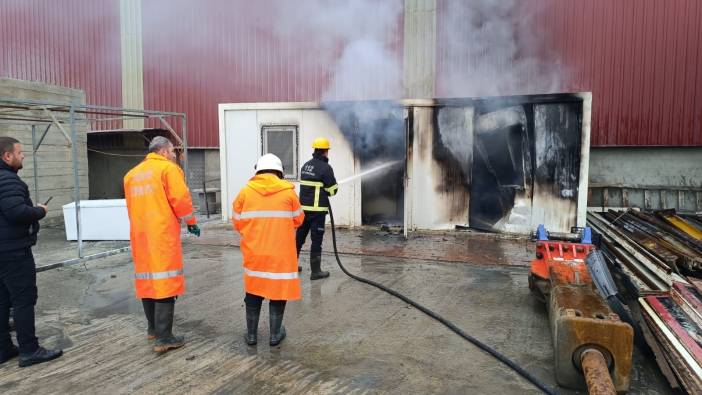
(241, 145)
(499, 164)
(99, 220)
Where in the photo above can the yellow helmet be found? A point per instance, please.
(320, 143)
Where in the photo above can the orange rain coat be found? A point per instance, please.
(266, 213)
(157, 199)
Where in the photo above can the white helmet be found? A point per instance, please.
(269, 162)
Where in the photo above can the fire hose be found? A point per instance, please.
(511, 364)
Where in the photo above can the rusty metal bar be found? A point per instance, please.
(173, 133)
(58, 124)
(597, 377)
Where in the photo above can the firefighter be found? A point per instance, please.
(266, 213)
(158, 200)
(317, 183)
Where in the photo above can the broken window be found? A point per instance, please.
(282, 141)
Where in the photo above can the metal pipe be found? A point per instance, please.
(204, 193)
(34, 163)
(597, 377)
(184, 129)
(76, 180)
(119, 118)
(84, 259)
(25, 119)
(61, 107)
(43, 136)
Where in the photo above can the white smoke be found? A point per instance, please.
(365, 71)
(493, 48)
(361, 38)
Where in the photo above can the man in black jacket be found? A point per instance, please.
(317, 183)
(19, 225)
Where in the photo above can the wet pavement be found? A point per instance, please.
(468, 246)
(52, 246)
(343, 336)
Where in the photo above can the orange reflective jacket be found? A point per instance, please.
(266, 213)
(157, 198)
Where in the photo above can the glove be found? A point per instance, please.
(194, 229)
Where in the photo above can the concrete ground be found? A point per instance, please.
(343, 336)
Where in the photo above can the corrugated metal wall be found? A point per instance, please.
(198, 57)
(71, 43)
(642, 60)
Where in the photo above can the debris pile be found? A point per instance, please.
(658, 257)
(674, 319)
(651, 249)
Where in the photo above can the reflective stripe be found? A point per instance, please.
(236, 216)
(267, 214)
(158, 275)
(332, 189)
(312, 183)
(317, 188)
(310, 208)
(271, 275)
(316, 196)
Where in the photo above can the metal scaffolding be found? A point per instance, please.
(41, 116)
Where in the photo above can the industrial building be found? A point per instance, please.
(640, 61)
(526, 173)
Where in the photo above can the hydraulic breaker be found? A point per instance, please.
(592, 346)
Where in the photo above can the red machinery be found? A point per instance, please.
(592, 346)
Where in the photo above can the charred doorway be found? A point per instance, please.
(526, 166)
(376, 131)
(501, 181)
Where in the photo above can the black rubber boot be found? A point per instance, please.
(316, 265)
(41, 355)
(149, 311)
(10, 351)
(252, 315)
(163, 323)
(277, 311)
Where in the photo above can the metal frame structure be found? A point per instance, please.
(36, 113)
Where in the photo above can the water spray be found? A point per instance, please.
(369, 171)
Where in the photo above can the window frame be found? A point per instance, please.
(290, 174)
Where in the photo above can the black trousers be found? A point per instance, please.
(314, 224)
(18, 289)
(255, 301)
